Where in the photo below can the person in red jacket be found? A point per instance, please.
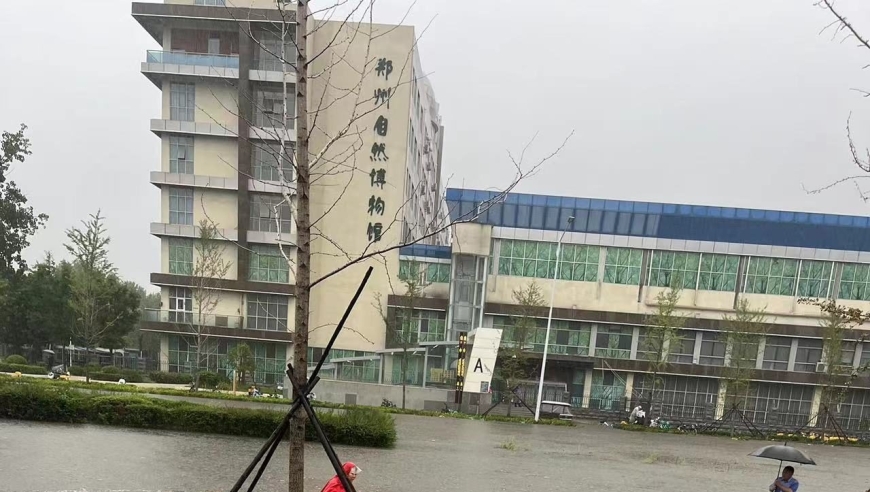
(334, 485)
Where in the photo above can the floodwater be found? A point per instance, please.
(432, 455)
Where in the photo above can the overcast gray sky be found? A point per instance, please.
(724, 102)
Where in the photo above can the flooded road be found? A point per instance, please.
(432, 455)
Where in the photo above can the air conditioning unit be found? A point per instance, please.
(821, 367)
(222, 321)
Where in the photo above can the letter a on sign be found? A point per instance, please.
(478, 366)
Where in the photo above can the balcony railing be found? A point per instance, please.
(192, 319)
(197, 59)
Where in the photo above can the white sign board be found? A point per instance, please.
(483, 346)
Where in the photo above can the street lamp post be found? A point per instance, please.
(550, 320)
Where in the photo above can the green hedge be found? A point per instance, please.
(16, 359)
(22, 368)
(128, 376)
(170, 377)
(24, 401)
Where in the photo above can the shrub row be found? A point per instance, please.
(22, 368)
(50, 403)
(321, 404)
(15, 359)
(170, 377)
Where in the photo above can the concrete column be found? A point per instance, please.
(720, 399)
(425, 364)
(602, 258)
(587, 389)
(164, 353)
(729, 349)
(817, 404)
(759, 361)
(629, 389)
(593, 334)
(696, 356)
(635, 338)
(859, 350)
(792, 354)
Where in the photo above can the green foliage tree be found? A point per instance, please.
(743, 332)
(513, 356)
(35, 307)
(104, 308)
(662, 327)
(17, 220)
(241, 359)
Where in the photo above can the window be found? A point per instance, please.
(269, 52)
(269, 110)
(434, 272)
(855, 282)
(211, 3)
(422, 326)
(267, 312)
(776, 352)
(266, 157)
(680, 396)
(180, 305)
(579, 263)
(847, 353)
(613, 342)
(268, 265)
(744, 352)
(538, 259)
(792, 403)
(670, 269)
(713, 349)
(607, 392)
(854, 411)
(182, 101)
(214, 45)
(180, 256)
(718, 272)
(815, 278)
(181, 206)
(775, 276)
(263, 216)
(809, 353)
(181, 155)
(682, 347)
(622, 266)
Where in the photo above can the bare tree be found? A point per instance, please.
(402, 328)
(841, 28)
(743, 332)
(513, 355)
(661, 329)
(328, 156)
(209, 268)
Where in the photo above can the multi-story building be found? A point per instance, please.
(376, 157)
(616, 257)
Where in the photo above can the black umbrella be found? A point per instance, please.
(781, 452)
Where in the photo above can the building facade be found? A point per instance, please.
(616, 257)
(226, 132)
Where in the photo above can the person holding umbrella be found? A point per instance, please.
(785, 483)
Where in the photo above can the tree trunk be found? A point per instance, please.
(296, 469)
(404, 375)
(197, 362)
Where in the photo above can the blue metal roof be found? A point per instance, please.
(426, 251)
(666, 220)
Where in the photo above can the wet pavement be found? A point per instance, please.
(433, 455)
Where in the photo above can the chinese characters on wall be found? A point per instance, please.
(378, 155)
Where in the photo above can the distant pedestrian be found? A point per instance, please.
(785, 483)
(335, 485)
